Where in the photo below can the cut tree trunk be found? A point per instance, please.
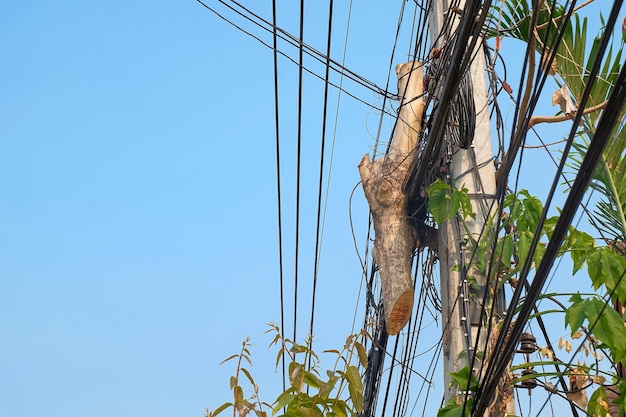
(383, 182)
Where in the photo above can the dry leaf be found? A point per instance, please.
(553, 65)
(547, 352)
(564, 100)
(577, 392)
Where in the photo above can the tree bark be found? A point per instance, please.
(383, 182)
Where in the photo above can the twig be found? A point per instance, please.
(562, 117)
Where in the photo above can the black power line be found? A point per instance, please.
(278, 187)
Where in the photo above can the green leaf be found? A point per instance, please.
(355, 387)
(595, 408)
(607, 325)
(362, 354)
(575, 313)
(581, 244)
(247, 374)
(239, 401)
(219, 409)
(339, 407)
(505, 250)
(233, 382)
(465, 379)
(312, 380)
(532, 211)
(283, 400)
(451, 409)
(606, 267)
(523, 246)
(229, 358)
(438, 200)
(296, 374)
(445, 202)
(327, 387)
(279, 356)
(460, 202)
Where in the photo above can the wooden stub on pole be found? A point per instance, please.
(383, 182)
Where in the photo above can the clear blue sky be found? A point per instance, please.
(138, 237)
(138, 222)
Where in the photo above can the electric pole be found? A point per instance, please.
(471, 168)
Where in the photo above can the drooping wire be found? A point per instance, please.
(298, 43)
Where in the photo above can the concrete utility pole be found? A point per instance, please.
(473, 169)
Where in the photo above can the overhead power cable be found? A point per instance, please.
(318, 228)
(278, 191)
(300, 45)
(298, 173)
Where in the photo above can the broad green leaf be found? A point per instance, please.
(606, 267)
(580, 244)
(465, 379)
(575, 313)
(355, 386)
(532, 212)
(362, 354)
(312, 380)
(607, 325)
(460, 202)
(295, 374)
(505, 250)
(354, 377)
(451, 409)
(340, 407)
(523, 246)
(438, 200)
(540, 250)
(283, 400)
(233, 382)
(327, 387)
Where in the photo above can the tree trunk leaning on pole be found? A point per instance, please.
(383, 182)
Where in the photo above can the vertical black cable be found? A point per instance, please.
(280, 216)
(300, 74)
(321, 178)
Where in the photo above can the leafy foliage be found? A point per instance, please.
(605, 265)
(445, 202)
(460, 405)
(312, 392)
(572, 64)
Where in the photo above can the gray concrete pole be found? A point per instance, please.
(473, 169)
